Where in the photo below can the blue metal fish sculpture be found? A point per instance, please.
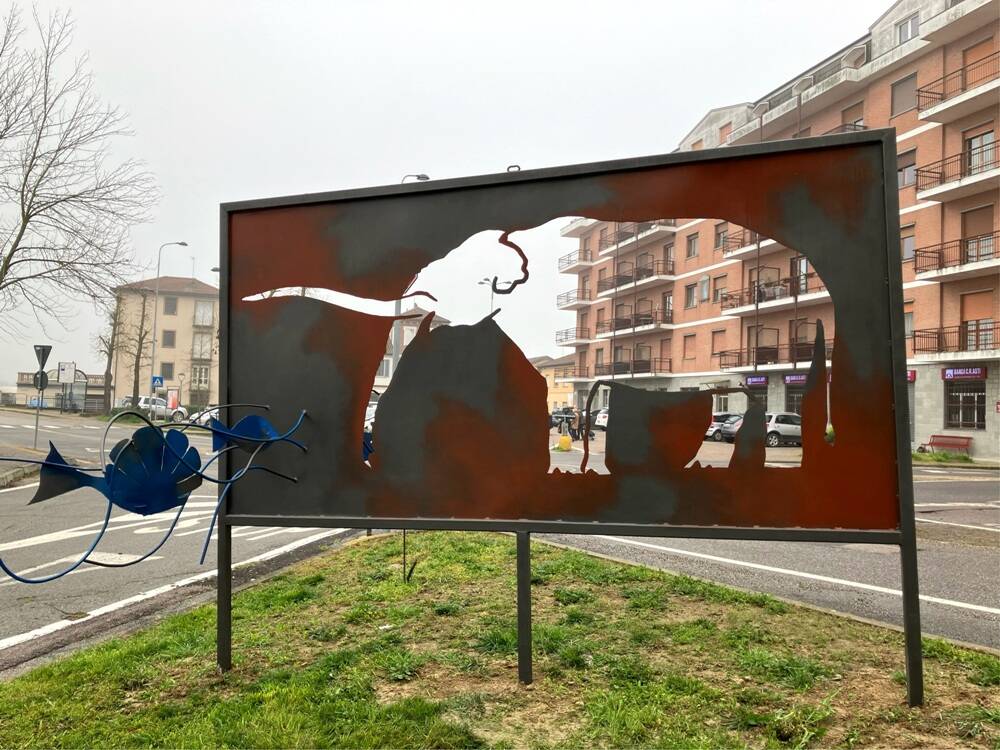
(251, 433)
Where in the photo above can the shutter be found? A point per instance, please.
(977, 222)
(977, 306)
(977, 52)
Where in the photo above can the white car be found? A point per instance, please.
(370, 415)
(601, 420)
(157, 409)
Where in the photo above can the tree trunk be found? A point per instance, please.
(112, 344)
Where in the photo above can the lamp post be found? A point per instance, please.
(487, 281)
(156, 309)
(419, 178)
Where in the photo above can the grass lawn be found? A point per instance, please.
(339, 652)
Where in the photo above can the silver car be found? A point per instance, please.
(714, 431)
(780, 428)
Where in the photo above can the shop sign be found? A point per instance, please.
(963, 373)
(796, 378)
(911, 376)
(756, 381)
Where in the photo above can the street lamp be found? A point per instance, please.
(418, 177)
(156, 309)
(489, 282)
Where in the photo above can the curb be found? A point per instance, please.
(11, 476)
(954, 465)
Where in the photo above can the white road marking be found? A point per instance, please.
(960, 525)
(22, 487)
(53, 627)
(105, 557)
(53, 426)
(90, 427)
(956, 505)
(801, 574)
(8, 426)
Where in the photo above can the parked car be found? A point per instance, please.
(601, 420)
(157, 408)
(714, 431)
(204, 416)
(560, 415)
(780, 428)
(730, 427)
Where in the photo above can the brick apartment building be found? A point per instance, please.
(691, 303)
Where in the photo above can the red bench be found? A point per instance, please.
(947, 443)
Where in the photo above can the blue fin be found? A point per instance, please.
(57, 478)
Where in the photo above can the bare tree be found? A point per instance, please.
(106, 344)
(134, 338)
(65, 205)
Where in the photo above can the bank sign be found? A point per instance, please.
(963, 373)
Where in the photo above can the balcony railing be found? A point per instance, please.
(572, 334)
(573, 295)
(768, 291)
(800, 351)
(847, 127)
(613, 282)
(571, 259)
(633, 367)
(971, 336)
(956, 252)
(634, 320)
(630, 230)
(970, 162)
(962, 80)
(738, 239)
(570, 372)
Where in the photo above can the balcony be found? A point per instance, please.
(646, 274)
(634, 323)
(633, 368)
(973, 171)
(744, 242)
(847, 127)
(961, 93)
(573, 336)
(974, 339)
(629, 234)
(775, 357)
(959, 20)
(958, 259)
(576, 260)
(807, 289)
(570, 374)
(574, 299)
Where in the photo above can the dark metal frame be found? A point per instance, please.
(904, 537)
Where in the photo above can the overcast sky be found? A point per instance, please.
(236, 100)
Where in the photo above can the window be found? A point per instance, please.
(908, 29)
(689, 346)
(201, 346)
(721, 233)
(703, 289)
(199, 376)
(904, 95)
(979, 152)
(965, 404)
(906, 168)
(167, 370)
(908, 323)
(722, 402)
(602, 241)
(853, 115)
(718, 342)
(385, 367)
(689, 295)
(169, 340)
(204, 312)
(585, 245)
(169, 305)
(907, 242)
(724, 133)
(719, 287)
(692, 245)
(793, 397)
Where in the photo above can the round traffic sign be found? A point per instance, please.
(41, 380)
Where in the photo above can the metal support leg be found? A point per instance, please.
(911, 618)
(224, 599)
(404, 555)
(524, 607)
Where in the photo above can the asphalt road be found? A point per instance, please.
(958, 512)
(958, 532)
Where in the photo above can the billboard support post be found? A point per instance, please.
(524, 607)
(224, 598)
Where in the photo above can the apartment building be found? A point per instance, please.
(560, 391)
(187, 339)
(409, 326)
(693, 303)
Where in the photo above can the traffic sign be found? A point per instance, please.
(42, 353)
(67, 372)
(157, 381)
(40, 380)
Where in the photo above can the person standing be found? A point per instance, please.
(574, 424)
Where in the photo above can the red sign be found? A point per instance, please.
(963, 373)
(911, 376)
